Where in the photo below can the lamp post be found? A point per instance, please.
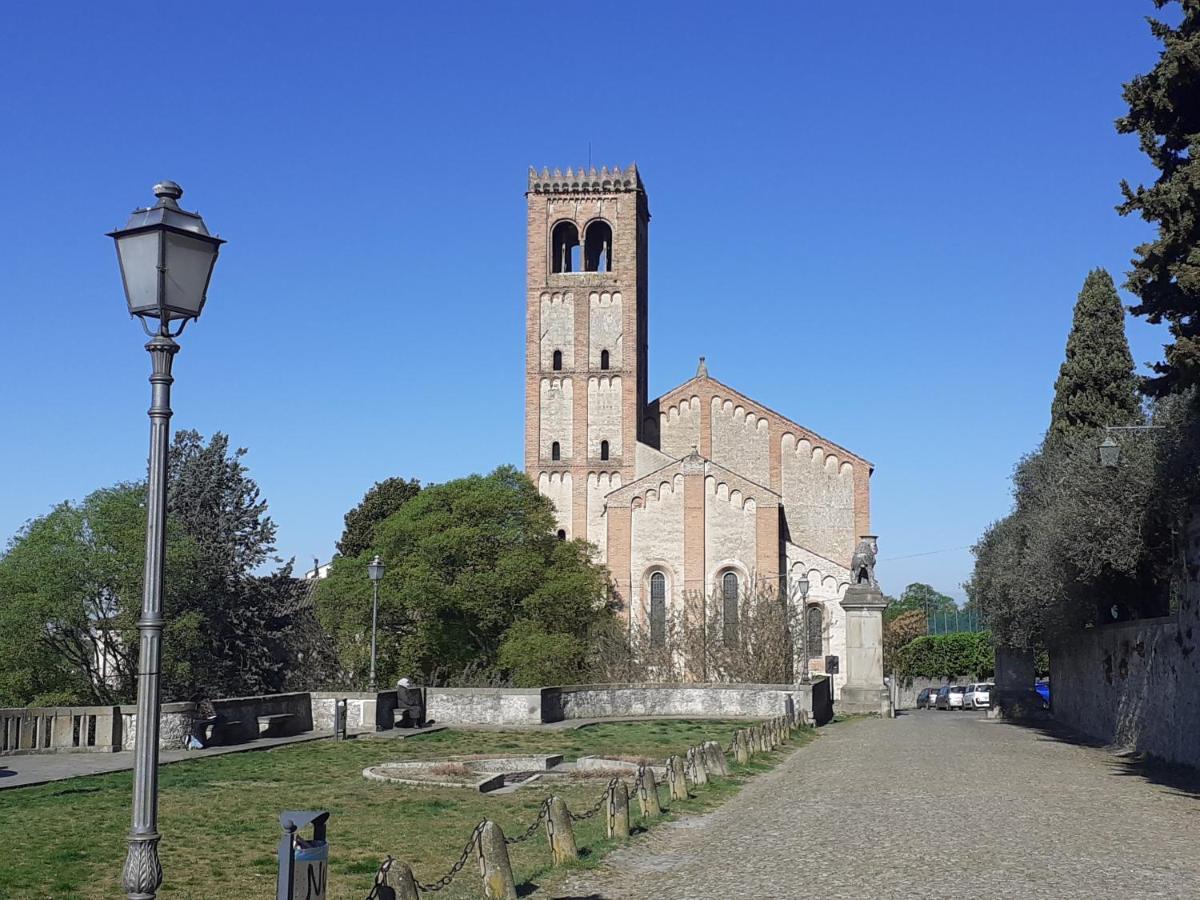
(800, 588)
(166, 256)
(1110, 451)
(375, 570)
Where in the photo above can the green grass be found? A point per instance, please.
(220, 815)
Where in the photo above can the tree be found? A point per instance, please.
(1163, 112)
(1096, 385)
(383, 499)
(899, 632)
(473, 566)
(921, 597)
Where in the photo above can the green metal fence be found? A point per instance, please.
(952, 621)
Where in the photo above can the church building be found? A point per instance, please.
(701, 489)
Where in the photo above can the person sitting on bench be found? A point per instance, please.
(410, 704)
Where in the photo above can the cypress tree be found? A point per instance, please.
(1096, 385)
(1164, 111)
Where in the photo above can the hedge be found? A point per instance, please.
(948, 656)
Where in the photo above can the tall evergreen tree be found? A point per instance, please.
(1164, 111)
(1096, 385)
(383, 499)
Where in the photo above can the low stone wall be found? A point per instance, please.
(485, 706)
(174, 725)
(364, 711)
(56, 729)
(533, 706)
(1135, 685)
(708, 700)
(245, 712)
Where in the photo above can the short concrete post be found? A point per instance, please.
(741, 747)
(559, 832)
(647, 792)
(714, 758)
(760, 739)
(494, 866)
(400, 879)
(785, 731)
(618, 809)
(696, 767)
(676, 778)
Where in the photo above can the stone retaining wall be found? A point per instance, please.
(1135, 685)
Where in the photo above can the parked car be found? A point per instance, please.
(978, 696)
(926, 698)
(951, 696)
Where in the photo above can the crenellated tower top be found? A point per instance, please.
(590, 181)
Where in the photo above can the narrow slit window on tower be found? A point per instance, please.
(658, 609)
(729, 608)
(604, 359)
(557, 361)
(604, 449)
(555, 451)
(597, 247)
(564, 248)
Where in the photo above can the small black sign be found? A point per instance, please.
(831, 665)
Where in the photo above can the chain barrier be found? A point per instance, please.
(457, 867)
(380, 878)
(529, 832)
(599, 805)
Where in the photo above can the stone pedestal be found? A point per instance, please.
(864, 691)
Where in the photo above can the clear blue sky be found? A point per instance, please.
(872, 217)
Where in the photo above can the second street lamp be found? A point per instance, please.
(167, 257)
(800, 589)
(375, 570)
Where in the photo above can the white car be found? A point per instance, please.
(951, 697)
(978, 696)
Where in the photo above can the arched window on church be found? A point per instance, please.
(564, 248)
(816, 631)
(597, 247)
(604, 360)
(604, 449)
(729, 608)
(562, 535)
(555, 451)
(557, 361)
(658, 609)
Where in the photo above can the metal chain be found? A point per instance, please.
(380, 878)
(532, 829)
(457, 867)
(597, 806)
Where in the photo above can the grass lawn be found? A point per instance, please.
(220, 815)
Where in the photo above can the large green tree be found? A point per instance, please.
(383, 499)
(1164, 112)
(918, 597)
(1096, 385)
(476, 586)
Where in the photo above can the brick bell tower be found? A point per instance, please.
(585, 339)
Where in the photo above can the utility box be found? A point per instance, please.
(339, 719)
(831, 665)
(303, 861)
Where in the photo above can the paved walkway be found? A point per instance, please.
(931, 804)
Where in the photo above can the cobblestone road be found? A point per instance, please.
(931, 804)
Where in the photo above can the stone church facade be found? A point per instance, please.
(701, 489)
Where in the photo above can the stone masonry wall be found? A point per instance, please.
(1135, 685)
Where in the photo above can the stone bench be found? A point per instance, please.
(210, 729)
(268, 726)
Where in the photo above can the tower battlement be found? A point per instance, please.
(590, 181)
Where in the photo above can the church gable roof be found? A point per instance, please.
(705, 386)
(692, 465)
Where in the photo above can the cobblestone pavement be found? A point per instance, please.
(931, 804)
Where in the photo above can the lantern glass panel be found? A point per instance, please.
(138, 255)
(189, 265)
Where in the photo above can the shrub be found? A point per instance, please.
(948, 656)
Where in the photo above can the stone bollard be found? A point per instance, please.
(559, 832)
(647, 792)
(617, 820)
(696, 767)
(714, 758)
(741, 747)
(494, 865)
(785, 731)
(676, 778)
(760, 739)
(400, 880)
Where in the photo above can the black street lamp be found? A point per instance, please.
(375, 570)
(167, 257)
